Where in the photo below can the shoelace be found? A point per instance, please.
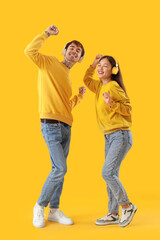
(40, 213)
(60, 213)
(108, 215)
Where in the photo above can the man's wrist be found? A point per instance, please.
(47, 33)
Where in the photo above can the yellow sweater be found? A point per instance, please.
(110, 119)
(54, 84)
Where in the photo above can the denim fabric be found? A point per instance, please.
(57, 137)
(117, 144)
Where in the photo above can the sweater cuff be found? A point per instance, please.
(114, 105)
(45, 35)
(80, 96)
(91, 69)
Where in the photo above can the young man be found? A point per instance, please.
(54, 88)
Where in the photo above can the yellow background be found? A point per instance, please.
(128, 30)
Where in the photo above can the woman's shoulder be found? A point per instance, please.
(114, 85)
(116, 88)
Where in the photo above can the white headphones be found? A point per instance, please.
(64, 52)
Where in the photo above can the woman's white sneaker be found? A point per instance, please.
(55, 215)
(38, 216)
(108, 219)
(127, 215)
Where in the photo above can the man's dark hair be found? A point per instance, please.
(78, 44)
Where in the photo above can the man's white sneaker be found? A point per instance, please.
(58, 216)
(108, 219)
(38, 216)
(127, 215)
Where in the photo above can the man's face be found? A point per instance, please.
(73, 53)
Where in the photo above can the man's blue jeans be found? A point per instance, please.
(57, 137)
(117, 145)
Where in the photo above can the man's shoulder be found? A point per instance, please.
(51, 60)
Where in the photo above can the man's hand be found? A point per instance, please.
(82, 90)
(96, 60)
(53, 30)
(107, 98)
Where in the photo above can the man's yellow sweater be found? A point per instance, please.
(54, 84)
(110, 119)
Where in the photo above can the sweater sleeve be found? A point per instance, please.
(76, 100)
(121, 103)
(31, 51)
(89, 81)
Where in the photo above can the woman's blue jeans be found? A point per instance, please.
(117, 145)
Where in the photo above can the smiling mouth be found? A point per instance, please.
(73, 55)
(100, 72)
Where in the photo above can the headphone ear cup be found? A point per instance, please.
(80, 60)
(64, 51)
(114, 70)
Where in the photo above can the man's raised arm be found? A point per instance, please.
(31, 50)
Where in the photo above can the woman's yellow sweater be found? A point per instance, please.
(110, 119)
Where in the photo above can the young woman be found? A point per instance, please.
(113, 112)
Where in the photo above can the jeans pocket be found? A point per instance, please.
(51, 126)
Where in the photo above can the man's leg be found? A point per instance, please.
(53, 137)
(54, 214)
(66, 135)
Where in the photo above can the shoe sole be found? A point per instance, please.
(39, 226)
(107, 223)
(50, 220)
(126, 224)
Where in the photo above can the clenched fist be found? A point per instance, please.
(53, 30)
(82, 90)
(96, 60)
(107, 98)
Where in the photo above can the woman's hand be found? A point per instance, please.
(96, 60)
(107, 98)
(82, 90)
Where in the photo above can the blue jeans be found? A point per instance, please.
(57, 137)
(117, 144)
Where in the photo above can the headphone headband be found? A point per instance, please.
(64, 52)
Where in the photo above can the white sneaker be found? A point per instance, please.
(58, 216)
(127, 215)
(108, 219)
(38, 216)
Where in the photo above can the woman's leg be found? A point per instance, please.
(113, 206)
(112, 202)
(120, 143)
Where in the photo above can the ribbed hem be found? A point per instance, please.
(56, 117)
(114, 130)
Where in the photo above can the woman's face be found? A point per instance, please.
(104, 69)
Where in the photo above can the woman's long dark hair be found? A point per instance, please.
(116, 77)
